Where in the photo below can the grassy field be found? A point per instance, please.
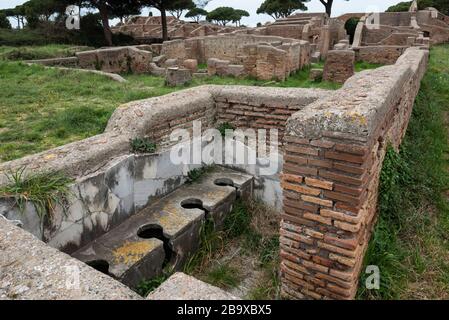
(44, 108)
(37, 52)
(411, 240)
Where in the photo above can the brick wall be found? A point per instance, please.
(379, 54)
(175, 49)
(116, 60)
(285, 31)
(265, 62)
(246, 107)
(339, 66)
(333, 155)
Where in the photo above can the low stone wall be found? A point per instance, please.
(334, 144)
(339, 66)
(333, 158)
(117, 60)
(112, 184)
(379, 54)
(263, 57)
(224, 47)
(57, 62)
(269, 108)
(396, 27)
(31, 270)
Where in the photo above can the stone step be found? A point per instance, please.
(168, 231)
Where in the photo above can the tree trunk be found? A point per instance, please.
(328, 6)
(105, 20)
(329, 9)
(164, 23)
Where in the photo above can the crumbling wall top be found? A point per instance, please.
(357, 108)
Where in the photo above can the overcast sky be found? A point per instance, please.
(340, 7)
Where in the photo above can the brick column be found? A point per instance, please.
(325, 186)
(333, 154)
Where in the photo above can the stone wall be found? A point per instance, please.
(334, 144)
(395, 27)
(262, 57)
(71, 62)
(247, 107)
(117, 60)
(265, 62)
(339, 66)
(285, 31)
(379, 54)
(148, 29)
(333, 157)
(31, 270)
(224, 47)
(112, 183)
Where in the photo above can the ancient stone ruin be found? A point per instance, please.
(149, 29)
(129, 215)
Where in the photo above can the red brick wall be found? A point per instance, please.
(255, 117)
(269, 109)
(331, 176)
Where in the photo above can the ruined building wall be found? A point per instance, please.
(223, 47)
(379, 54)
(147, 29)
(285, 31)
(334, 145)
(333, 157)
(262, 57)
(112, 183)
(31, 270)
(247, 107)
(117, 60)
(395, 28)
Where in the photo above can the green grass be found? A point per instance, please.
(45, 191)
(410, 243)
(362, 65)
(249, 241)
(145, 287)
(44, 108)
(223, 276)
(202, 66)
(36, 52)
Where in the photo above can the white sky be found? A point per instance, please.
(340, 7)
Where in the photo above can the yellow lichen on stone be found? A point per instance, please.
(132, 252)
(173, 220)
(50, 156)
(355, 116)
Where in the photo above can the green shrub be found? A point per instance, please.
(142, 145)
